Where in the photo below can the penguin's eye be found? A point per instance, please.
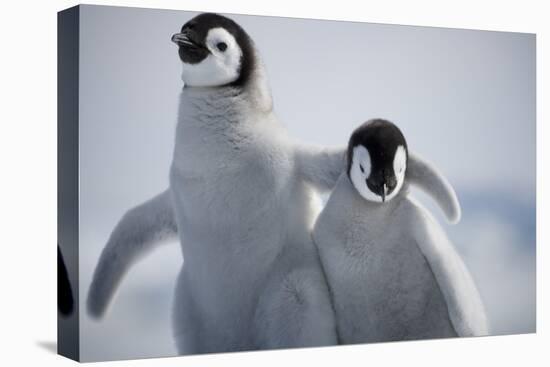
(222, 46)
(362, 169)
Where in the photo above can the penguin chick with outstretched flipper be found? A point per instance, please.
(392, 272)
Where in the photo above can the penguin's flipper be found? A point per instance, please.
(464, 303)
(320, 166)
(65, 300)
(426, 177)
(137, 233)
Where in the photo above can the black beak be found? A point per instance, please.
(184, 39)
(381, 186)
(180, 38)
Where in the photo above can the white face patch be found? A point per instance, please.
(220, 67)
(361, 169)
(399, 168)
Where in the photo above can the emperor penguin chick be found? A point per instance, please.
(392, 272)
(242, 199)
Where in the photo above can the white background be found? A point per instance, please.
(28, 192)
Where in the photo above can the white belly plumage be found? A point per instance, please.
(240, 209)
(383, 286)
(385, 294)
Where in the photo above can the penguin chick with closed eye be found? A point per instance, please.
(392, 272)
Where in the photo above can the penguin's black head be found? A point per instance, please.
(215, 51)
(377, 160)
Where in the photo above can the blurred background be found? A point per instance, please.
(465, 100)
